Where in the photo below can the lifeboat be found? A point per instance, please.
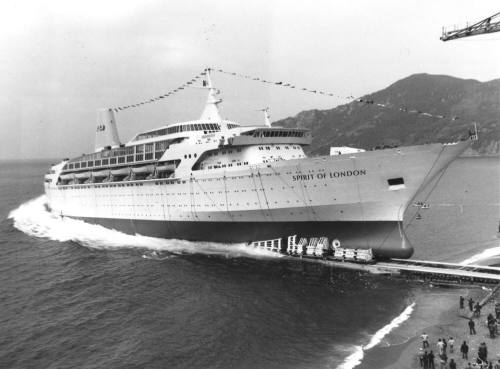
(120, 172)
(144, 169)
(100, 174)
(82, 175)
(66, 177)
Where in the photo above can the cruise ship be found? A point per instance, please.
(215, 180)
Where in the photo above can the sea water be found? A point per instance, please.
(80, 295)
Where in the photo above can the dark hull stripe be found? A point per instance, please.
(383, 237)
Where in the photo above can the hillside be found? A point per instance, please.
(367, 125)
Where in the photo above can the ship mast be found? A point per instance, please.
(267, 117)
(211, 111)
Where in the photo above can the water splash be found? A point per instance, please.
(34, 219)
(355, 358)
(490, 254)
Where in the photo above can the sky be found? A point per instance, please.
(61, 61)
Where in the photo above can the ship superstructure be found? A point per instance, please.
(213, 179)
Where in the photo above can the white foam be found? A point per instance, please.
(484, 255)
(355, 358)
(34, 219)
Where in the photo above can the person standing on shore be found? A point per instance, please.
(440, 346)
(421, 356)
(453, 364)
(445, 345)
(430, 359)
(482, 352)
(477, 309)
(451, 342)
(472, 327)
(471, 304)
(462, 302)
(464, 349)
(426, 360)
(425, 340)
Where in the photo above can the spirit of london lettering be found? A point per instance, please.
(339, 174)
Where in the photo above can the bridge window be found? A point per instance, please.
(395, 181)
(105, 161)
(112, 161)
(130, 158)
(121, 159)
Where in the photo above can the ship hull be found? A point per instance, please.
(385, 238)
(358, 199)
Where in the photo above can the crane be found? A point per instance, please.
(488, 25)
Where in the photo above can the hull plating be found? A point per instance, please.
(383, 237)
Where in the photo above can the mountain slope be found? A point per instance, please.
(368, 125)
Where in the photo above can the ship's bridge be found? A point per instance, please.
(198, 126)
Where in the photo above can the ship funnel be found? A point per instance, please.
(106, 134)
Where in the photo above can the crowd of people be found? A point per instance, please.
(438, 356)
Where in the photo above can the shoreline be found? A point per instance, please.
(450, 321)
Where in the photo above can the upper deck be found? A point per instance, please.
(209, 143)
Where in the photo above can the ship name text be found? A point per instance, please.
(339, 174)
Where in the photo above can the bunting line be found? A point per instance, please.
(165, 95)
(350, 98)
(364, 101)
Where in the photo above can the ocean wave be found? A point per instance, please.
(491, 253)
(357, 354)
(33, 218)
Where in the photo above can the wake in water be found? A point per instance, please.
(492, 255)
(356, 357)
(34, 219)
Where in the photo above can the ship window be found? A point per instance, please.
(130, 158)
(189, 156)
(121, 159)
(149, 147)
(195, 155)
(97, 163)
(77, 165)
(158, 154)
(139, 149)
(90, 163)
(112, 161)
(139, 157)
(105, 161)
(396, 181)
(148, 156)
(84, 164)
(71, 166)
